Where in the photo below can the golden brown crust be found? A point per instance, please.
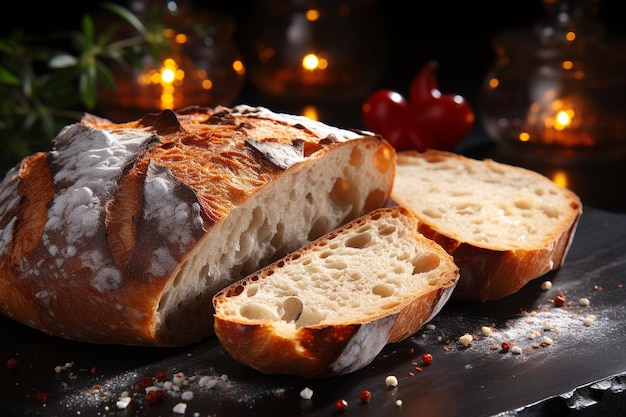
(93, 232)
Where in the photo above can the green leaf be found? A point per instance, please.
(7, 77)
(88, 87)
(88, 32)
(128, 16)
(106, 76)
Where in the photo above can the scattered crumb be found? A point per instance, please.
(391, 381)
(306, 393)
(179, 408)
(546, 285)
(466, 339)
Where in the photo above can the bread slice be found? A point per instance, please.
(330, 307)
(123, 233)
(504, 225)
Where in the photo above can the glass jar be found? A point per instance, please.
(324, 49)
(558, 90)
(203, 66)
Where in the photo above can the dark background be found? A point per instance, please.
(456, 34)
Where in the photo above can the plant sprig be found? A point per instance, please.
(43, 87)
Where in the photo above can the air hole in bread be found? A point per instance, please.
(460, 193)
(336, 264)
(292, 309)
(356, 157)
(551, 212)
(252, 290)
(425, 263)
(383, 290)
(523, 204)
(359, 241)
(383, 160)
(340, 192)
(466, 208)
(257, 312)
(387, 230)
(278, 239)
(434, 213)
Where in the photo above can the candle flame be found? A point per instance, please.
(563, 119)
(312, 62)
(166, 76)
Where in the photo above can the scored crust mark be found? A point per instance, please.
(278, 153)
(122, 213)
(36, 188)
(164, 123)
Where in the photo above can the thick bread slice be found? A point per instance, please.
(124, 232)
(330, 307)
(504, 225)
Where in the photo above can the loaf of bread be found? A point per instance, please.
(123, 233)
(504, 225)
(330, 307)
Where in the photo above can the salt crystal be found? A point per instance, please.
(180, 408)
(306, 393)
(122, 402)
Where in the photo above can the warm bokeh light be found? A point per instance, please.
(166, 76)
(570, 36)
(239, 67)
(310, 112)
(560, 179)
(312, 62)
(524, 137)
(493, 83)
(563, 119)
(312, 15)
(567, 65)
(180, 38)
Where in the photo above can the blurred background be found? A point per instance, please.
(251, 52)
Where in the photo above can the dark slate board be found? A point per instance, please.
(478, 380)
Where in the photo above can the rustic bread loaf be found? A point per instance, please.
(504, 225)
(330, 307)
(123, 233)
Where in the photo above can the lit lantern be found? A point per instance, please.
(202, 67)
(558, 91)
(314, 50)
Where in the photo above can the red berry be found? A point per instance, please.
(365, 396)
(427, 358)
(341, 405)
(13, 363)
